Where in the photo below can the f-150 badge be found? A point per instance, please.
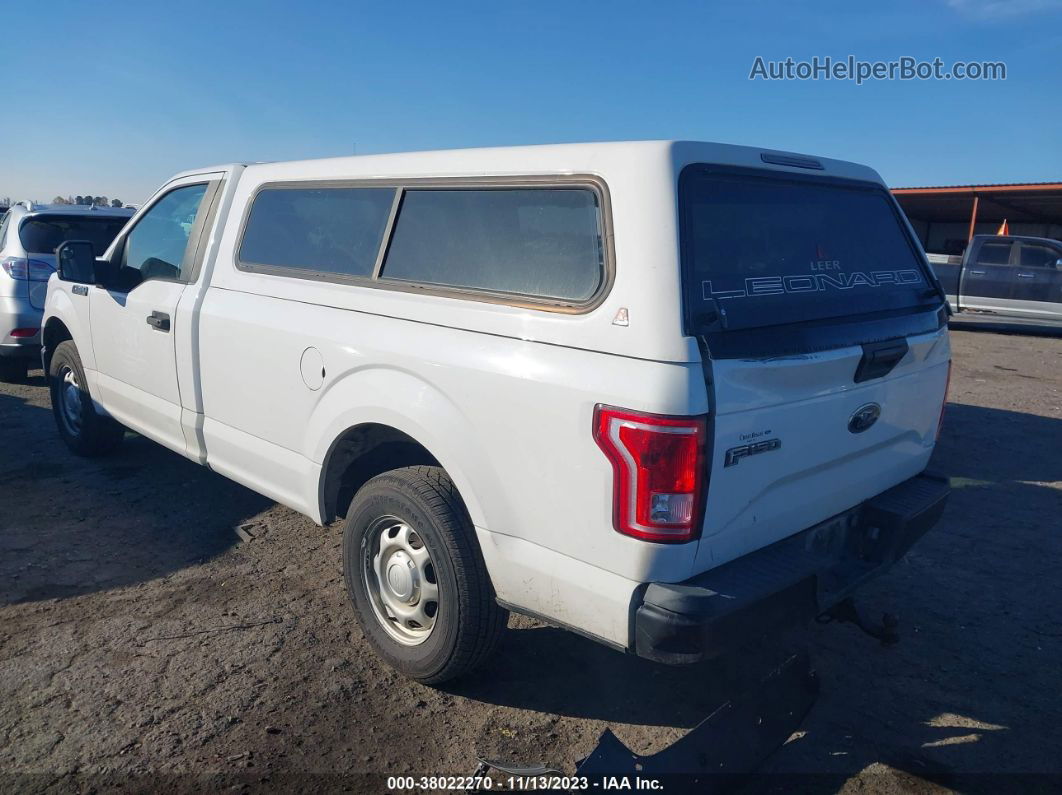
(735, 454)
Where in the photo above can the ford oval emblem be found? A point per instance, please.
(864, 417)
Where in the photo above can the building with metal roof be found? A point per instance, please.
(945, 217)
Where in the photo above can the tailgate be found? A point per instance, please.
(825, 344)
(788, 453)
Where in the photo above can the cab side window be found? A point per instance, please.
(1034, 255)
(994, 254)
(157, 247)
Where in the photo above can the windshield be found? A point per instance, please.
(42, 234)
(768, 250)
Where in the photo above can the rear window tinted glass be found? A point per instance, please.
(994, 254)
(539, 242)
(324, 230)
(763, 251)
(42, 234)
(1036, 256)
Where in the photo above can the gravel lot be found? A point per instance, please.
(145, 644)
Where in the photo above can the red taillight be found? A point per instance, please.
(944, 403)
(659, 472)
(25, 332)
(32, 270)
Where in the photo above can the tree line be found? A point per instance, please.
(98, 201)
(88, 201)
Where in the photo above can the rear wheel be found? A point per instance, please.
(13, 371)
(85, 432)
(416, 578)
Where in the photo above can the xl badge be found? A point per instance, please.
(864, 417)
(735, 454)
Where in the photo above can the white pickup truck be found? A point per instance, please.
(666, 394)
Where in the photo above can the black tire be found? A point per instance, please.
(84, 431)
(468, 621)
(13, 371)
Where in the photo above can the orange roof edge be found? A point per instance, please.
(963, 190)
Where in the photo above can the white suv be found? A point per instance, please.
(666, 394)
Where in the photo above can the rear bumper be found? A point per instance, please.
(30, 349)
(16, 312)
(788, 582)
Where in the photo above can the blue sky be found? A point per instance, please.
(113, 98)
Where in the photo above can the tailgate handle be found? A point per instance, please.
(879, 358)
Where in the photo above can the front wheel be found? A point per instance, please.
(416, 578)
(82, 428)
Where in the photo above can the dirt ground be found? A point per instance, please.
(145, 645)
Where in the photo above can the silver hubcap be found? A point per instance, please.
(70, 401)
(400, 580)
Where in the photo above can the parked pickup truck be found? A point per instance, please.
(1008, 276)
(667, 394)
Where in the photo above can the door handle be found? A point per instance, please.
(1026, 275)
(159, 320)
(976, 273)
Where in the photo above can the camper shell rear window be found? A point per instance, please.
(767, 249)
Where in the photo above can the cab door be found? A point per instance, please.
(1038, 291)
(133, 316)
(988, 279)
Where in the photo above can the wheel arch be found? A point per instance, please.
(387, 405)
(55, 331)
(65, 319)
(420, 424)
(359, 454)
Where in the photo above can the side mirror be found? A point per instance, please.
(76, 261)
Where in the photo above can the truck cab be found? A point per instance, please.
(1008, 276)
